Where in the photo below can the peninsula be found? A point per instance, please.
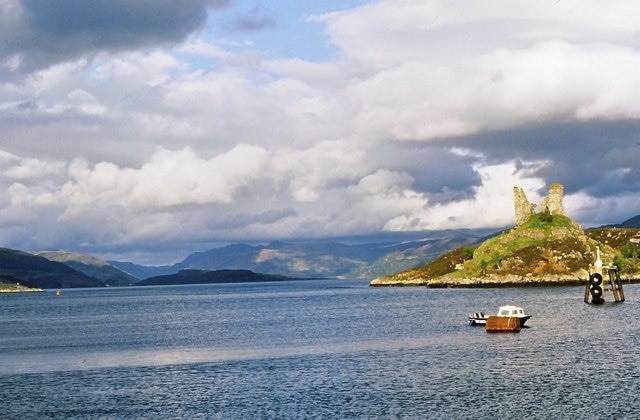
(6, 286)
(544, 248)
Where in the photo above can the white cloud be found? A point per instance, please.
(310, 173)
(86, 102)
(137, 69)
(170, 178)
(389, 32)
(491, 206)
(34, 168)
(15, 167)
(385, 182)
(440, 68)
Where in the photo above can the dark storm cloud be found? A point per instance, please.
(599, 157)
(45, 32)
(443, 175)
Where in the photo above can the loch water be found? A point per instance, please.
(325, 349)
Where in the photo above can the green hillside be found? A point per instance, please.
(38, 272)
(91, 266)
(544, 250)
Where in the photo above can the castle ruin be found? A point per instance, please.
(551, 203)
(524, 209)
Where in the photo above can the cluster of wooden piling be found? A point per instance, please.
(597, 285)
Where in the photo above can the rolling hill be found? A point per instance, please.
(208, 277)
(36, 271)
(101, 270)
(317, 259)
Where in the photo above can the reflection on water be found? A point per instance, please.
(71, 361)
(324, 349)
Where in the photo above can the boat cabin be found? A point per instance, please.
(511, 310)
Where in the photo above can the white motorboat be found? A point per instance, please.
(480, 318)
(514, 312)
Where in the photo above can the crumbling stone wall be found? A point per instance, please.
(553, 201)
(524, 209)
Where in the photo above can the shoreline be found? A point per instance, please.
(488, 282)
(16, 288)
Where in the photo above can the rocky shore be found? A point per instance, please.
(484, 281)
(17, 288)
(492, 280)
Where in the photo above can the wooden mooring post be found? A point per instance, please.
(597, 285)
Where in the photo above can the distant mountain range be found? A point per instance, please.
(292, 259)
(633, 223)
(314, 259)
(302, 260)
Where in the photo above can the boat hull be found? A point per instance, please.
(503, 324)
(509, 311)
(523, 320)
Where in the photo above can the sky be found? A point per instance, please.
(148, 130)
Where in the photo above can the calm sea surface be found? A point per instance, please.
(315, 349)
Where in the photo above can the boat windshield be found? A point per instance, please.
(510, 311)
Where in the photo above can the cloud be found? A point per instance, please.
(38, 34)
(426, 116)
(443, 69)
(255, 19)
(491, 205)
(170, 178)
(16, 168)
(405, 30)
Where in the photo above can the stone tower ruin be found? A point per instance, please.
(524, 209)
(551, 203)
